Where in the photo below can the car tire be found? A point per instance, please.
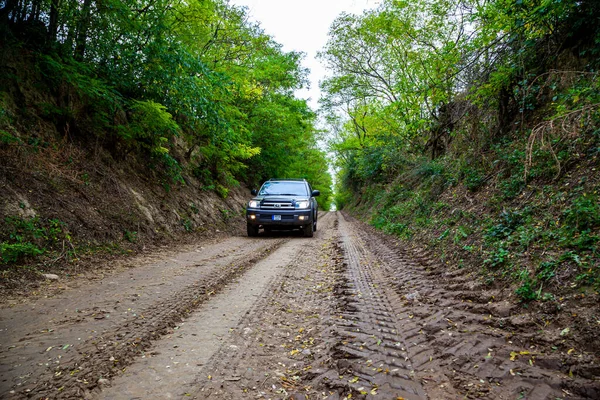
(308, 230)
(315, 226)
(252, 230)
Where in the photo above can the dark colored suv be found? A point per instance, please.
(283, 204)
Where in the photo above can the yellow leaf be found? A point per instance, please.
(354, 380)
(294, 352)
(570, 351)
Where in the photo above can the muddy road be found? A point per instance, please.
(346, 314)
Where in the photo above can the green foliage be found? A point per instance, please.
(527, 290)
(509, 222)
(505, 110)
(187, 225)
(150, 126)
(17, 252)
(473, 179)
(7, 138)
(130, 236)
(222, 191)
(144, 77)
(29, 238)
(498, 257)
(80, 77)
(546, 270)
(583, 214)
(226, 214)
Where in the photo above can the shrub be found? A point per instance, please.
(16, 252)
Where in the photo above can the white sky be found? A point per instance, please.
(302, 25)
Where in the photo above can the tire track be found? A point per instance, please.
(111, 352)
(279, 339)
(371, 357)
(461, 343)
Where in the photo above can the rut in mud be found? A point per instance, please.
(347, 313)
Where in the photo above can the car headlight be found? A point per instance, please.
(254, 204)
(302, 204)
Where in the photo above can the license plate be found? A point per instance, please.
(276, 217)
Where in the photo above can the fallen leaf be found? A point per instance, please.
(354, 380)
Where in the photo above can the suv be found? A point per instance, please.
(283, 204)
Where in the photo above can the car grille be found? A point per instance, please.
(277, 205)
(265, 218)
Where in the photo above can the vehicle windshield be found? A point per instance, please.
(283, 189)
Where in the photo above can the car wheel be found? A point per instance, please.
(308, 230)
(315, 226)
(252, 230)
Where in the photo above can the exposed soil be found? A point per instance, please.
(346, 314)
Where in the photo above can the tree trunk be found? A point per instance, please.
(22, 12)
(35, 11)
(82, 29)
(53, 23)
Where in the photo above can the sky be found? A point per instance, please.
(302, 25)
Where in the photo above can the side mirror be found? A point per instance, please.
(253, 192)
(315, 193)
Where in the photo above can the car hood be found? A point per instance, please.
(279, 198)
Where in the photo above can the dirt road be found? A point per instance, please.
(346, 314)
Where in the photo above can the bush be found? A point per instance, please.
(527, 290)
(583, 214)
(16, 252)
(473, 179)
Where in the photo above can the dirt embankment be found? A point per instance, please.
(68, 210)
(346, 314)
(73, 195)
